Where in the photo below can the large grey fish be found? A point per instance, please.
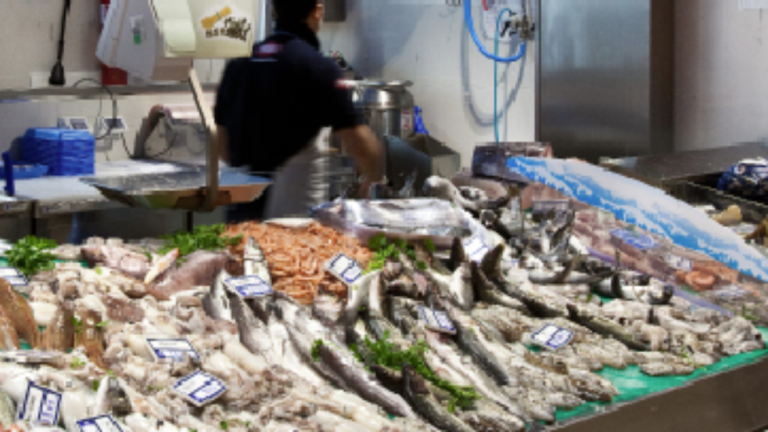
(468, 341)
(330, 354)
(487, 292)
(417, 393)
(606, 327)
(535, 302)
(303, 344)
(253, 332)
(216, 302)
(254, 261)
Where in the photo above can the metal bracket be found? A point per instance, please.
(453, 3)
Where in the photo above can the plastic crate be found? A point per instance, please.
(65, 152)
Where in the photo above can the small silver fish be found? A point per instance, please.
(216, 302)
(255, 262)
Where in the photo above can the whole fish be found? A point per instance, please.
(487, 292)
(118, 258)
(606, 327)
(357, 298)
(19, 313)
(9, 339)
(88, 335)
(561, 277)
(536, 302)
(254, 261)
(417, 393)
(216, 303)
(468, 341)
(650, 294)
(7, 410)
(161, 266)
(60, 335)
(343, 364)
(253, 333)
(200, 269)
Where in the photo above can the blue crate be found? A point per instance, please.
(65, 152)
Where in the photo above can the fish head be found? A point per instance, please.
(412, 382)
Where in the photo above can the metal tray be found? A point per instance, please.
(180, 190)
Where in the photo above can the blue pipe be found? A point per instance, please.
(471, 25)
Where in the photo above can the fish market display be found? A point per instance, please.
(296, 256)
(445, 329)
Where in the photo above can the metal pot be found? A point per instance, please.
(388, 107)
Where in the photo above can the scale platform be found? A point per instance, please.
(185, 190)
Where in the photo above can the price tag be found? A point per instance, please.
(13, 276)
(30, 357)
(552, 337)
(729, 293)
(41, 405)
(172, 349)
(476, 249)
(344, 268)
(200, 388)
(249, 287)
(437, 321)
(679, 263)
(99, 424)
(636, 240)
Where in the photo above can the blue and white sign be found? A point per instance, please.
(249, 287)
(475, 248)
(636, 240)
(730, 293)
(552, 337)
(200, 388)
(646, 207)
(99, 424)
(41, 406)
(344, 268)
(437, 321)
(172, 349)
(13, 276)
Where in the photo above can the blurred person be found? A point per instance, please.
(271, 108)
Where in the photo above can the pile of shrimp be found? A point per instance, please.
(296, 257)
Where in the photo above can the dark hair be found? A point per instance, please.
(294, 10)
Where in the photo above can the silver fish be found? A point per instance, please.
(327, 308)
(253, 332)
(488, 292)
(254, 261)
(216, 302)
(417, 393)
(607, 327)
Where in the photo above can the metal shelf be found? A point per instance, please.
(89, 90)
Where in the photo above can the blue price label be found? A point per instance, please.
(552, 337)
(99, 424)
(436, 320)
(172, 349)
(249, 287)
(344, 268)
(636, 240)
(41, 405)
(200, 388)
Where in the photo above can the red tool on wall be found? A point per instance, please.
(110, 76)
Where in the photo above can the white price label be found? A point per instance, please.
(476, 249)
(13, 276)
(30, 357)
(437, 321)
(99, 424)
(552, 337)
(172, 349)
(41, 405)
(545, 206)
(249, 287)
(679, 263)
(200, 388)
(344, 268)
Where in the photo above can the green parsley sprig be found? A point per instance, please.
(32, 255)
(384, 250)
(208, 238)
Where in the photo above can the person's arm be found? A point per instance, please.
(223, 144)
(365, 148)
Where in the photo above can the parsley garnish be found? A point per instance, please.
(32, 255)
(387, 354)
(224, 425)
(208, 238)
(77, 363)
(316, 349)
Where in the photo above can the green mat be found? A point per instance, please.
(633, 384)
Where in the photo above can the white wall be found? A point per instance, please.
(721, 77)
(453, 82)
